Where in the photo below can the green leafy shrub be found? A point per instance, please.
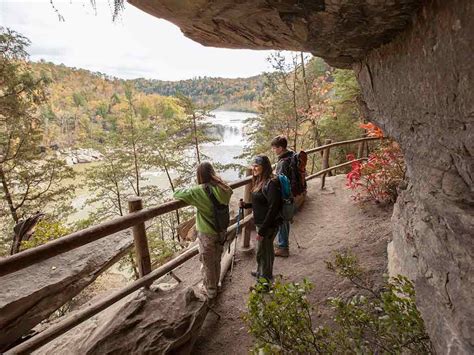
(385, 320)
(378, 321)
(280, 319)
(45, 231)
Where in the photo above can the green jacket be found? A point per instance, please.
(196, 196)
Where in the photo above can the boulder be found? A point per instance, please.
(32, 294)
(163, 320)
(82, 158)
(69, 161)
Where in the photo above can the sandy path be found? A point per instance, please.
(329, 222)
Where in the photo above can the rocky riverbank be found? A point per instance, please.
(81, 155)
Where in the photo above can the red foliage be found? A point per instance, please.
(372, 130)
(377, 179)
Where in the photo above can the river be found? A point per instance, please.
(229, 127)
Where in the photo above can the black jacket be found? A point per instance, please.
(284, 164)
(266, 207)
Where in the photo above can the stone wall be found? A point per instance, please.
(419, 89)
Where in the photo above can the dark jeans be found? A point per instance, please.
(265, 255)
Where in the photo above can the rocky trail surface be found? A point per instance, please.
(169, 315)
(329, 222)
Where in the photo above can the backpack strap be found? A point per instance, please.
(286, 165)
(265, 187)
(211, 196)
(215, 203)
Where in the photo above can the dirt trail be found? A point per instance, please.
(329, 222)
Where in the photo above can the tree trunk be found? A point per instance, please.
(134, 146)
(135, 163)
(305, 83)
(295, 110)
(8, 196)
(196, 142)
(162, 229)
(119, 202)
(165, 166)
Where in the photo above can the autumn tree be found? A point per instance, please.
(288, 97)
(31, 180)
(307, 101)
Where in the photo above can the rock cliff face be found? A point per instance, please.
(418, 88)
(339, 31)
(416, 71)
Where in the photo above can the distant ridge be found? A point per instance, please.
(240, 94)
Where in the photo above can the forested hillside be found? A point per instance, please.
(239, 94)
(81, 102)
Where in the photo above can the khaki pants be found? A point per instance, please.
(210, 251)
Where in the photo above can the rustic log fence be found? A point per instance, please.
(136, 220)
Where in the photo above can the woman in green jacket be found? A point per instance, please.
(210, 241)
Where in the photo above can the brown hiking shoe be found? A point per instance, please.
(284, 253)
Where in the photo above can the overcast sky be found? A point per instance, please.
(136, 45)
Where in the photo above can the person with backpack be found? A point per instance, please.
(293, 166)
(211, 199)
(266, 205)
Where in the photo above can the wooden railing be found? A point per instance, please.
(136, 219)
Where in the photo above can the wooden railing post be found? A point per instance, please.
(360, 150)
(139, 237)
(247, 197)
(325, 163)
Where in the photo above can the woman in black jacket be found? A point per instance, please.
(266, 205)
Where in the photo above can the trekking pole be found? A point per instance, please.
(237, 231)
(296, 240)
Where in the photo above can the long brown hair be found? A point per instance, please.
(207, 175)
(267, 172)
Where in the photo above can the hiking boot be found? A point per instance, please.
(284, 253)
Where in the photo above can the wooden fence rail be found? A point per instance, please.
(135, 219)
(70, 322)
(325, 171)
(77, 239)
(337, 144)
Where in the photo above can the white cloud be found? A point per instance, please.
(136, 45)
